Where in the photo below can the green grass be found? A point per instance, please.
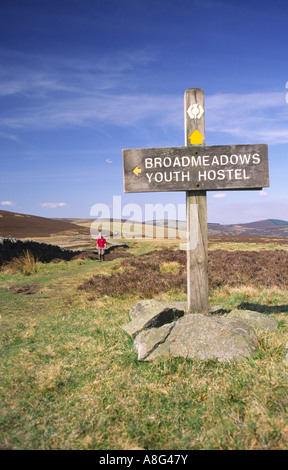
(246, 246)
(69, 378)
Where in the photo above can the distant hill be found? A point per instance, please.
(17, 225)
(273, 228)
(278, 222)
(261, 228)
(29, 226)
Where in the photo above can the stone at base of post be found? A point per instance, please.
(197, 252)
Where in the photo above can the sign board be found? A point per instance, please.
(196, 168)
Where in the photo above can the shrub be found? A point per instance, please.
(26, 264)
(159, 271)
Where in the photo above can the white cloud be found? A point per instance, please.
(263, 193)
(108, 160)
(53, 205)
(90, 95)
(32, 74)
(126, 110)
(7, 203)
(219, 195)
(251, 116)
(247, 118)
(9, 136)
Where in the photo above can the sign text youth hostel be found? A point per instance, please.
(196, 168)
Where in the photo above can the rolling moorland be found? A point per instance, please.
(69, 377)
(77, 231)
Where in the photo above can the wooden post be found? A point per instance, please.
(196, 206)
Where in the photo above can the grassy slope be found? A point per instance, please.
(31, 226)
(71, 380)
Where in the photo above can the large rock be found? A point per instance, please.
(198, 336)
(144, 307)
(150, 314)
(255, 319)
(161, 329)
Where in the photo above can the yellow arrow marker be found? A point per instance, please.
(196, 137)
(137, 170)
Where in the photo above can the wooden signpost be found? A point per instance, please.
(196, 168)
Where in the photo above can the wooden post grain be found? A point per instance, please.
(196, 206)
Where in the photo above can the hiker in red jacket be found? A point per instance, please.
(101, 245)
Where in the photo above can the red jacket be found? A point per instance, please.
(101, 242)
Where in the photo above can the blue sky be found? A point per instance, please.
(82, 80)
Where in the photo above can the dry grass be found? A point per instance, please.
(170, 267)
(164, 269)
(26, 264)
